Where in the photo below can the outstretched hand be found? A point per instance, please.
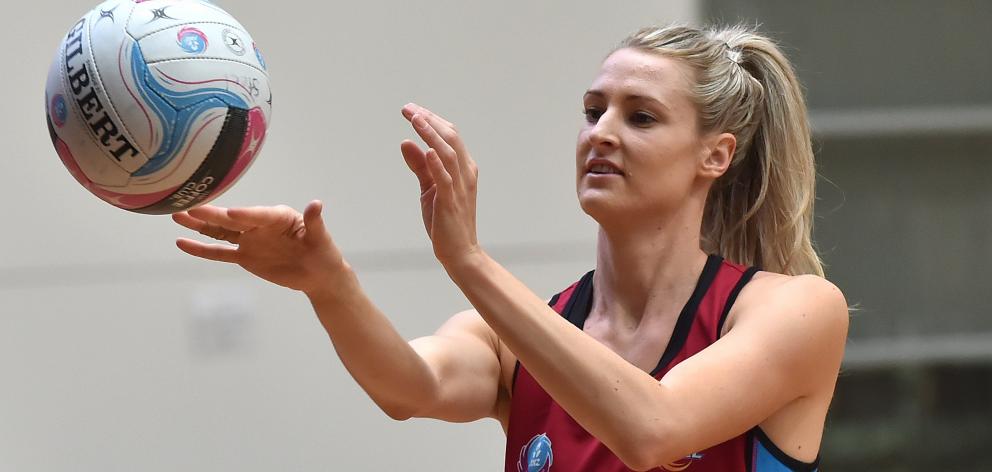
(277, 243)
(448, 182)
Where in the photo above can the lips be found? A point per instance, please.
(602, 167)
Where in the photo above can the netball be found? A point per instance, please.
(157, 106)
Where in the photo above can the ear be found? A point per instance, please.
(719, 152)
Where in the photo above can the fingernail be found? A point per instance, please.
(419, 121)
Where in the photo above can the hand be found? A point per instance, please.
(448, 181)
(277, 243)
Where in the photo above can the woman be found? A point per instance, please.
(666, 357)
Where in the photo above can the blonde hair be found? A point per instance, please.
(760, 212)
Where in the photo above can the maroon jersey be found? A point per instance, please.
(543, 437)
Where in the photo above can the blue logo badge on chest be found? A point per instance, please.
(536, 455)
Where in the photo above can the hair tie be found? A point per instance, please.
(733, 54)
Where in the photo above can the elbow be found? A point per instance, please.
(646, 451)
(398, 413)
(640, 461)
(403, 410)
(415, 403)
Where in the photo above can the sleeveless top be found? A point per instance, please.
(542, 437)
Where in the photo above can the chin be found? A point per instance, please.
(597, 204)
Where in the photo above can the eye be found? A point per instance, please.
(641, 118)
(592, 114)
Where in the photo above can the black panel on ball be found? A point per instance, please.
(211, 172)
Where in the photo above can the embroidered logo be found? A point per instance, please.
(192, 40)
(683, 463)
(536, 455)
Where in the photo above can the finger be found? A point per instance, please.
(216, 216)
(254, 217)
(428, 131)
(221, 233)
(316, 231)
(444, 128)
(436, 142)
(411, 109)
(185, 220)
(207, 229)
(416, 160)
(449, 134)
(440, 174)
(213, 252)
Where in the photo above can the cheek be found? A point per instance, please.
(581, 141)
(581, 149)
(663, 170)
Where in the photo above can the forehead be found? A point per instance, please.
(632, 71)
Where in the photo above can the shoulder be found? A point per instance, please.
(469, 323)
(801, 320)
(784, 296)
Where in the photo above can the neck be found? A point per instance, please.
(649, 270)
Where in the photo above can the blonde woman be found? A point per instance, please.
(677, 352)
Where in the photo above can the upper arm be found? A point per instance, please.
(787, 342)
(464, 357)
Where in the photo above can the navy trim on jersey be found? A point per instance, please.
(580, 304)
(794, 464)
(688, 314)
(748, 274)
(513, 383)
(577, 308)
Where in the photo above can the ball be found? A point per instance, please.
(157, 106)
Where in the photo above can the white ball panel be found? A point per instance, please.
(222, 41)
(124, 87)
(156, 15)
(72, 131)
(91, 119)
(243, 82)
(111, 48)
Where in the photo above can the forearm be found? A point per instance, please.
(383, 363)
(608, 396)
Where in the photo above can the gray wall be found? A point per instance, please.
(117, 352)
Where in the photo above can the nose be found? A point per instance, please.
(603, 135)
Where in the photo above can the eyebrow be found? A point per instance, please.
(629, 98)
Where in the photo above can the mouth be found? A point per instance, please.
(603, 169)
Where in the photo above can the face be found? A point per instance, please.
(639, 150)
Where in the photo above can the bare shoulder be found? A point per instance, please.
(782, 297)
(471, 324)
(468, 322)
(802, 320)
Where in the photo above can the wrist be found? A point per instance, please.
(465, 263)
(333, 286)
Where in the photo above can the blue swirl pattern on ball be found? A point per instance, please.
(176, 110)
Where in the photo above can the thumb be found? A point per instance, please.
(314, 223)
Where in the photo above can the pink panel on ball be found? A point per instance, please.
(127, 202)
